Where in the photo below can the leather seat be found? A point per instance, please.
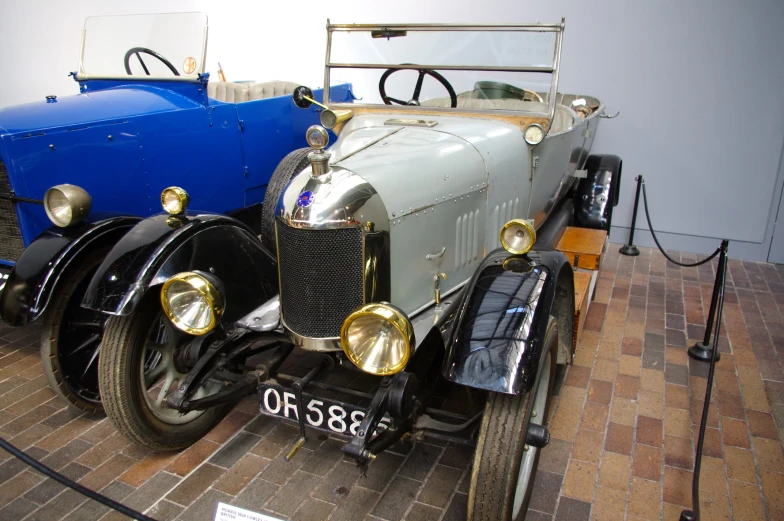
(227, 91)
(271, 89)
(563, 120)
(231, 92)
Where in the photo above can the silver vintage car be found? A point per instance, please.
(405, 281)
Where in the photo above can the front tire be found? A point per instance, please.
(71, 339)
(503, 469)
(137, 371)
(291, 165)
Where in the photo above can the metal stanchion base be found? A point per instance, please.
(630, 250)
(687, 515)
(701, 352)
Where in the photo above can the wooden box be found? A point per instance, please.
(583, 247)
(582, 288)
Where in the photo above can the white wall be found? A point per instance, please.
(698, 84)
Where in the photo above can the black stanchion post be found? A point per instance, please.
(630, 249)
(702, 350)
(718, 299)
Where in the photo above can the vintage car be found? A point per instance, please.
(78, 172)
(405, 282)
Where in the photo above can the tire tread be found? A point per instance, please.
(294, 163)
(497, 455)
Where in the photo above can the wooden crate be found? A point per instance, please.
(582, 297)
(583, 247)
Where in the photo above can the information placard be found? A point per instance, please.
(226, 512)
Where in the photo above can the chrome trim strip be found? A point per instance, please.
(312, 344)
(484, 68)
(447, 27)
(446, 111)
(554, 82)
(85, 77)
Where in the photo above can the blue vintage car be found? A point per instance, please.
(77, 172)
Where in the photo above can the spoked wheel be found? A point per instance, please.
(138, 370)
(71, 339)
(504, 466)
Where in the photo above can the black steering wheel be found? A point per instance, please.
(415, 98)
(145, 50)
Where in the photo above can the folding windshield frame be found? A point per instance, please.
(558, 29)
(82, 76)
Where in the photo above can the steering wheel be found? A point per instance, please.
(415, 98)
(145, 50)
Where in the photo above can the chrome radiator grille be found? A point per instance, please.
(320, 278)
(11, 245)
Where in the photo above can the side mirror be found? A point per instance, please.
(303, 97)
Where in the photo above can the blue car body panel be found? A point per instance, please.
(124, 141)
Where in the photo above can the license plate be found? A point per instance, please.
(320, 413)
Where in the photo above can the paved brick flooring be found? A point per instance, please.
(623, 426)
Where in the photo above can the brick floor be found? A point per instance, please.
(624, 424)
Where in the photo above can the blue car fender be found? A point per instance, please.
(46, 261)
(496, 339)
(162, 246)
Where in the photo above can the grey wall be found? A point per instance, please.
(698, 83)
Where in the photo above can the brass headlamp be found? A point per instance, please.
(518, 236)
(378, 338)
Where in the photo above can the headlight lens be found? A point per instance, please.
(192, 302)
(378, 338)
(518, 236)
(174, 200)
(534, 134)
(67, 204)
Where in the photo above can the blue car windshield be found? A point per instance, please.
(151, 46)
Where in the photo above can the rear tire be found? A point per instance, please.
(71, 339)
(291, 165)
(496, 478)
(136, 348)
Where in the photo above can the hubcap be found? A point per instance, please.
(529, 455)
(161, 377)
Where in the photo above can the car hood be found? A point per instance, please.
(66, 112)
(449, 160)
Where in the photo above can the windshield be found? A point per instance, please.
(150, 46)
(467, 67)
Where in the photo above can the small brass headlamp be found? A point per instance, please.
(518, 236)
(174, 200)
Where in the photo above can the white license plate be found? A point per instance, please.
(320, 413)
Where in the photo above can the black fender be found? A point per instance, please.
(42, 265)
(161, 246)
(495, 341)
(598, 192)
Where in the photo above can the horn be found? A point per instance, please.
(333, 118)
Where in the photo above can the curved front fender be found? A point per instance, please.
(41, 266)
(496, 341)
(162, 246)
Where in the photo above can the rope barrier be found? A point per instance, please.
(43, 469)
(658, 244)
